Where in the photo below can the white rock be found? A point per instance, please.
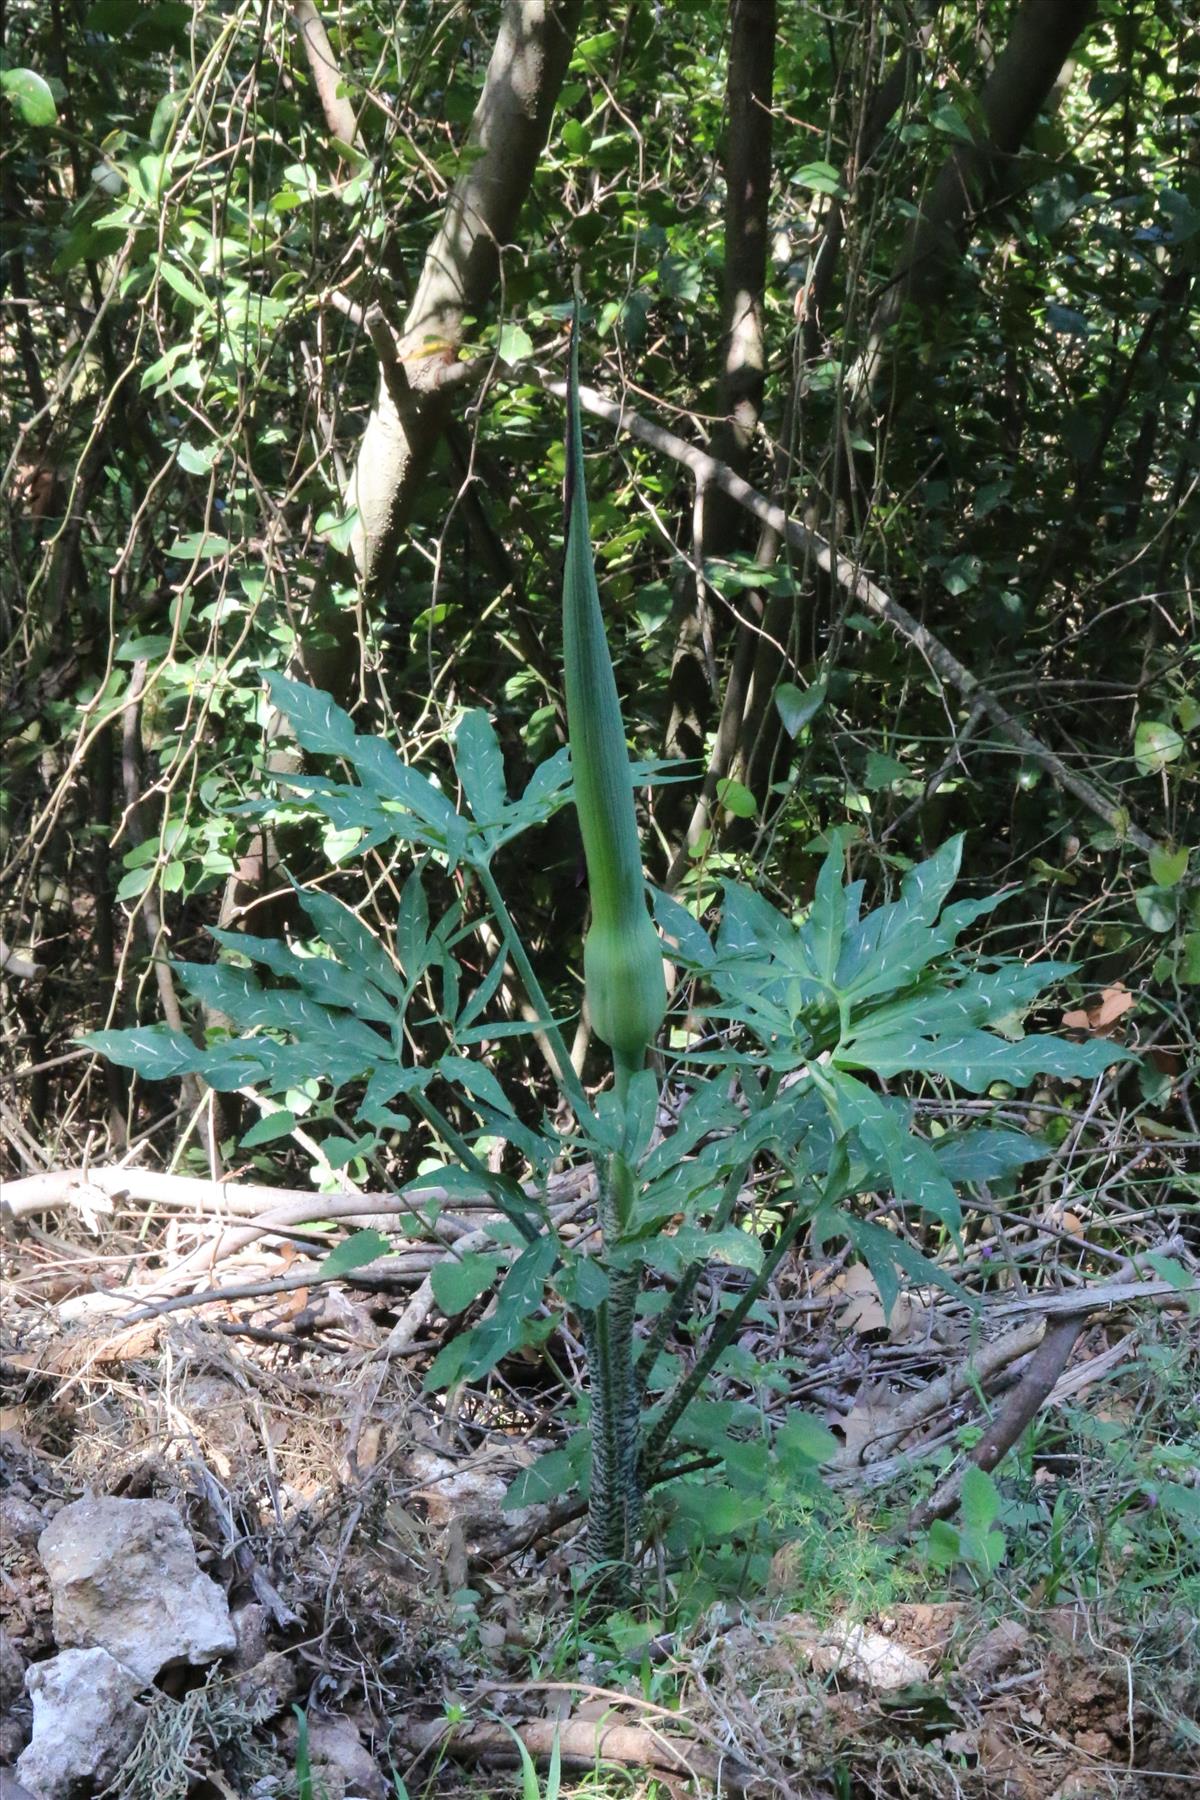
(123, 1576)
(86, 1720)
(866, 1657)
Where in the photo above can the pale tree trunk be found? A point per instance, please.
(743, 359)
(327, 78)
(507, 136)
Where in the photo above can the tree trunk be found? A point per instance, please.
(1015, 92)
(757, 730)
(749, 85)
(507, 136)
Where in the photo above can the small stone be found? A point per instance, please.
(341, 1759)
(86, 1720)
(124, 1578)
(997, 1651)
(266, 1689)
(251, 1627)
(20, 1520)
(851, 1653)
(12, 1671)
(14, 1734)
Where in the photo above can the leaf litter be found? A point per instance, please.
(358, 1528)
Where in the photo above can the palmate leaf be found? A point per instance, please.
(412, 928)
(480, 767)
(323, 728)
(674, 1253)
(975, 1059)
(889, 1256)
(152, 1051)
(349, 938)
(320, 724)
(823, 931)
(325, 981)
(987, 1154)
(883, 1128)
(238, 994)
(976, 999)
(476, 1352)
(549, 787)
(692, 947)
(349, 810)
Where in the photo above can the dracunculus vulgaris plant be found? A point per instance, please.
(624, 986)
(784, 1112)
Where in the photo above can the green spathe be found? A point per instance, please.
(622, 956)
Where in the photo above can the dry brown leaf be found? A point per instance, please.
(1098, 1015)
(863, 1310)
(911, 1320)
(367, 1449)
(72, 1355)
(869, 1418)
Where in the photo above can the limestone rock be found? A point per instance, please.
(86, 1720)
(866, 1658)
(124, 1577)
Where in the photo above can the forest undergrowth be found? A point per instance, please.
(792, 1392)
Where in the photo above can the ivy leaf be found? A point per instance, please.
(31, 96)
(268, 1128)
(549, 1478)
(461, 1279)
(354, 1252)
(803, 1443)
(737, 799)
(515, 343)
(797, 706)
(1155, 744)
(980, 1501)
(1156, 907)
(1167, 867)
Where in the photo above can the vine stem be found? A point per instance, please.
(678, 1304)
(690, 1384)
(569, 1081)
(459, 1145)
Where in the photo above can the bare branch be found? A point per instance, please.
(327, 79)
(859, 585)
